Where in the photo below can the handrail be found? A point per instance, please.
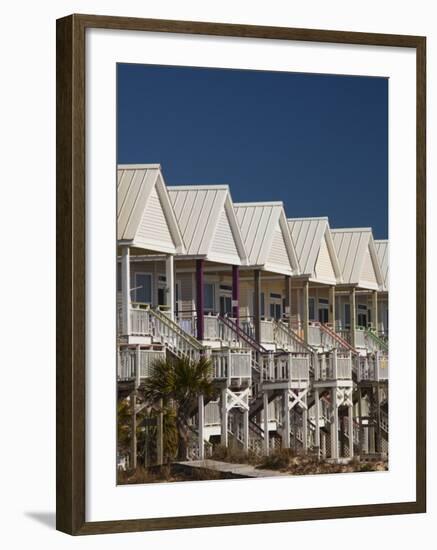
(176, 328)
(376, 339)
(281, 326)
(243, 335)
(337, 338)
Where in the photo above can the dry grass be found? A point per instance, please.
(286, 460)
(234, 455)
(164, 474)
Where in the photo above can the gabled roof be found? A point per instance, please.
(207, 221)
(266, 236)
(358, 258)
(382, 251)
(145, 218)
(315, 249)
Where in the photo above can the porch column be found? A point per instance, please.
(125, 289)
(246, 430)
(305, 425)
(200, 297)
(286, 420)
(224, 418)
(334, 424)
(257, 304)
(317, 420)
(266, 422)
(236, 293)
(378, 420)
(169, 277)
(360, 422)
(201, 415)
(306, 318)
(288, 297)
(351, 430)
(375, 310)
(331, 311)
(133, 439)
(353, 309)
(160, 434)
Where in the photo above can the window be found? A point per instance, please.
(311, 309)
(143, 288)
(275, 305)
(209, 297)
(347, 315)
(225, 305)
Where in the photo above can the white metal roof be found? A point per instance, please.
(264, 229)
(206, 218)
(382, 251)
(357, 257)
(145, 218)
(311, 237)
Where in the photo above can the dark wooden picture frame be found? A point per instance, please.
(71, 247)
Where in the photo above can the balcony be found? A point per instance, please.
(232, 364)
(293, 368)
(133, 364)
(372, 368)
(333, 366)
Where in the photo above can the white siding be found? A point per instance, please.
(368, 271)
(278, 255)
(153, 229)
(324, 269)
(223, 245)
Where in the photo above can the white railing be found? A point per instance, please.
(360, 338)
(373, 367)
(140, 322)
(212, 413)
(287, 339)
(228, 364)
(210, 327)
(170, 333)
(293, 367)
(333, 366)
(130, 359)
(315, 335)
(267, 332)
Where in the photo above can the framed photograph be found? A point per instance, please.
(241, 217)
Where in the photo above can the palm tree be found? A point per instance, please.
(180, 381)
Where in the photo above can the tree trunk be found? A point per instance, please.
(183, 438)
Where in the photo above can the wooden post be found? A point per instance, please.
(306, 319)
(334, 424)
(236, 293)
(288, 298)
(266, 422)
(351, 430)
(257, 304)
(160, 433)
(224, 418)
(201, 416)
(137, 366)
(378, 420)
(169, 277)
(246, 430)
(353, 311)
(331, 311)
(200, 298)
(125, 290)
(360, 422)
(317, 419)
(305, 425)
(133, 400)
(375, 310)
(286, 420)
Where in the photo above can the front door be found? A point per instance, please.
(362, 315)
(225, 300)
(143, 288)
(323, 310)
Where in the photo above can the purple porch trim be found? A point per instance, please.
(200, 297)
(236, 293)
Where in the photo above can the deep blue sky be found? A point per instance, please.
(319, 143)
